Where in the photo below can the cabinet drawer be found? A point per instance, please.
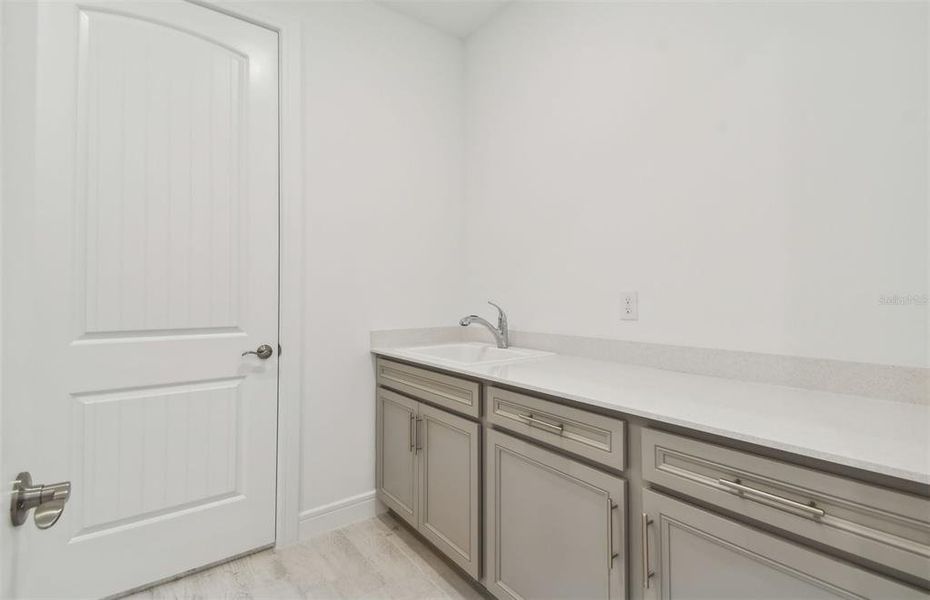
(593, 436)
(880, 525)
(456, 394)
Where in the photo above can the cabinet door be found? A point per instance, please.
(449, 455)
(555, 527)
(697, 554)
(396, 454)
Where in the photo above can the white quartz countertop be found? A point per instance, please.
(881, 436)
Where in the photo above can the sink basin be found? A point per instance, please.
(475, 354)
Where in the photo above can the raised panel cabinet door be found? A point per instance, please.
(555, 526)
(694, 553)
(396, 453)
(450, 485)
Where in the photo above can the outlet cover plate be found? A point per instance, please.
(629, 306)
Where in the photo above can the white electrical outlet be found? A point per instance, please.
(629, 309)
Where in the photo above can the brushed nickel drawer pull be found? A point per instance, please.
(741, 489)
(644, 546)
(410, 435)
(558, 428)
(417, 429)
(611, 555)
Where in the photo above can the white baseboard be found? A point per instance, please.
(338, 514)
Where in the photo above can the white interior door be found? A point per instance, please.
(145, 263)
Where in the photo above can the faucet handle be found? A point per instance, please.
(501, 315)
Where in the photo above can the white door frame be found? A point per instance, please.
(290, 253)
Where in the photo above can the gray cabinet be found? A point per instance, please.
(542, 514)
(555, 526)
(428, 472)
(693, 553)
(396, 454)
(453, 393)
(593, 436)
(449, 481)
(880, 525)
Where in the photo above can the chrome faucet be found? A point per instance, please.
(501, 333)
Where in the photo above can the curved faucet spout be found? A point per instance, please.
(501, 333)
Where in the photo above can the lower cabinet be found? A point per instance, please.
(555, 526)
(689, 552)
(428, 473)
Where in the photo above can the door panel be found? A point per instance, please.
(697, 554)
(396, 453)
(450, 485)
(161, 128)
(150, 451)
(147, 265)
(552, 524)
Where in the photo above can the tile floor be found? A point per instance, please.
(378, 558)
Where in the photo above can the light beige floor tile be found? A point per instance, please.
(378, 559)
(437, 569)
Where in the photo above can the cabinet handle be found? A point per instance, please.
(533, 420)
(647, 572)
(740, 489)
(611, 555)
(410, 433)
(418, 444)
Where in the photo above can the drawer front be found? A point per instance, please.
(877, 524)
(459, 395)
(593, 436)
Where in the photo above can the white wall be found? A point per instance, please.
(383, 154)
(18, 52)
(756, 171)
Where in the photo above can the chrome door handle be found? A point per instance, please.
(740, 489)
(48, 500)
(264, 352)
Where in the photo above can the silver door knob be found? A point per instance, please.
(263, 352)
(48, 500)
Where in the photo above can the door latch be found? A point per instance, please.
(48, 500)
